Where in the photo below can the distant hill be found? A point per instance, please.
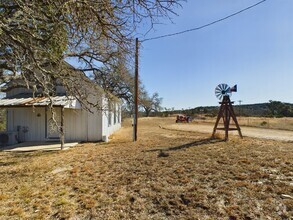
(270, 109)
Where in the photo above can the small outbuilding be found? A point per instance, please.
(33, 117)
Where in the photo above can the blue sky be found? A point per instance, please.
(253, 50)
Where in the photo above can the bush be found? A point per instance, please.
(263, 123)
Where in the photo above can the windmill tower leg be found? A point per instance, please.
(226, 122)
(226, 112)
(220, 115)
(235, 121)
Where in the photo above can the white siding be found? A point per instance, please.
(94, 125)
(110, 128)
(33, 119)
(79, 124)
(75, 125)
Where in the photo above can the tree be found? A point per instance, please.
(117, 79)
(150, 103)
(37, 36)
(280, 109)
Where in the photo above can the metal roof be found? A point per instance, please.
(65, 101)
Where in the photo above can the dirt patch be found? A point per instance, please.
(197, 178)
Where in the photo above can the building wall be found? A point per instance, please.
(94, 125)
(75, 125)
(111, 118)
(30, 119)
(79, 124)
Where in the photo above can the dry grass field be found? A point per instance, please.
(167, 174)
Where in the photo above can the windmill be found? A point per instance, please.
(226, 112)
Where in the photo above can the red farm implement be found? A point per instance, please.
(183, 118)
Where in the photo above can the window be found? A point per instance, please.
(109, 113)
(119, 114)
(115, 114)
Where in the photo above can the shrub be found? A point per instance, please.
(263, 123)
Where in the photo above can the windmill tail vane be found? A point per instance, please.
(233, 89)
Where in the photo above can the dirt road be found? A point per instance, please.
(271, 134)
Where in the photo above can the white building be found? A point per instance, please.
(31, 119)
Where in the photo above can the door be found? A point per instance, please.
(53, 123)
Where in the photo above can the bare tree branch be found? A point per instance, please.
(37, 36)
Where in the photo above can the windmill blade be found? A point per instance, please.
(219, 95)
(222, 90)
(218, 88)
(226, 87)
(221, 86)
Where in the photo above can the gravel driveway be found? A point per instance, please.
(265, 133)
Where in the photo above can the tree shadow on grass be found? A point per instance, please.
(188, 145)
(2, 164)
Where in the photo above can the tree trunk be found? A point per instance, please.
(147, 112)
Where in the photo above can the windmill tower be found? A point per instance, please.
(226, 112)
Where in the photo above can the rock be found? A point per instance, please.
(163, 154)
(284, 196)
(61, 169)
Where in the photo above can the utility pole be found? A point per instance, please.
(240, 101)
(135, 119)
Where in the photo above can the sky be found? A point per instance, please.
(253, 49)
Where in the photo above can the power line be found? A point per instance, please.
(205, 25)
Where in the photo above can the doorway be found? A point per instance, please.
(53, 123)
